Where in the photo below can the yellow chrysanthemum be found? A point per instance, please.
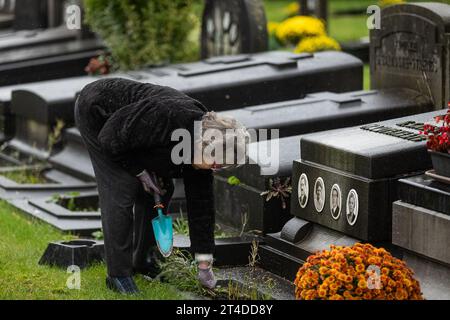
(316, 44)
(292, 30)
(272, 27)
(292, 9)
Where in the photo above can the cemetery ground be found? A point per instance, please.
(22, 241)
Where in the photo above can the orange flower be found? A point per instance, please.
(360, 268)
(362, 284)
(401, 294)
(323, 270)
(328, 272)
(347, 294)
(334, 287)
(367, 296)
(348, 279)
(322, 293)
(336, 266)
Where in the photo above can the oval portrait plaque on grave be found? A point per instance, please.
(319, 195)
(335, 201)
(352, 207)
(233, 27)
(303, 190)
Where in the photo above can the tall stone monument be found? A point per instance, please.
(233, 27)
(411, 49)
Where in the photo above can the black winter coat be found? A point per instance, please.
(133, 123)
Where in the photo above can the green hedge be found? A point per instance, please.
(144, 32)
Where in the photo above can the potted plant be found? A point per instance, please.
(438, 143)
(359, 272)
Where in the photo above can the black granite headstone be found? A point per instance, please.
(352, 174)
(7, 6)
(232, 27)
(317, 8)
(30, 14)
(412, 50)
(241, 205)
(425, 192)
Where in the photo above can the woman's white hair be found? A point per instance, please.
(227, 135)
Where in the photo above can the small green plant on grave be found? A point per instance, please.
(244, 222)
(253, 258)
(181, 227)
(26, 176)
(56, 135)
(69, 201)
(98, 235)
(180, 270)
(233, 181)
(278, 189)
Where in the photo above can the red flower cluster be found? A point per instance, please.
(100, 65)
(439, 136)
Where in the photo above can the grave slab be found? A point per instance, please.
(82, 227)
(434, 278)
(425, 192)
(423, 231)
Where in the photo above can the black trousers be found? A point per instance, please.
(127, 210)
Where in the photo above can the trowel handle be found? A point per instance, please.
(155, 194)
(157, 198)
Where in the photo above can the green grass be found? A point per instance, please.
(23, 241)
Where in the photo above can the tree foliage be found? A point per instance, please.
(143, 32)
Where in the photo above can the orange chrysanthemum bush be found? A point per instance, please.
(359, 272)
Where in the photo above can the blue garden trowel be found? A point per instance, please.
(162, 227)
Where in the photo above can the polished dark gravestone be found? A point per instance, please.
(220, 83)
(43, 54)
(240, 204)
(412, 50)
(6, 13)
(317, 112)
(232, 27)
(30, 14)
(317, 8)
(48, 61)
(346, 179)
(424, 191)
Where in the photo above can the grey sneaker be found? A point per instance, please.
(206, 277)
